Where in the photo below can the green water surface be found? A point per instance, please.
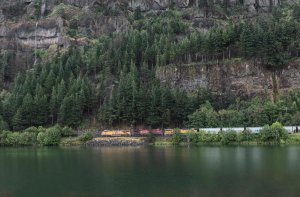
(150, 171)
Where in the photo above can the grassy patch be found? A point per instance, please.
(70, 141)
(163, 143)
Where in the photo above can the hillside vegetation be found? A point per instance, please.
(111, 81)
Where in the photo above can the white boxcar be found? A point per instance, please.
(290, 129)
(236, 129)
(210, 130)
(255, 130)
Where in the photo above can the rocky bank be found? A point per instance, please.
(116, 141)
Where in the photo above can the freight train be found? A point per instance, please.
(169, 132)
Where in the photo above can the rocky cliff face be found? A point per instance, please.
(56, 17)
(244, 79)
(28, 25)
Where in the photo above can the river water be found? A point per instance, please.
(150, 171)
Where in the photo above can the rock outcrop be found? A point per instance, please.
(56, 17)
(244, 79)
(28, 25)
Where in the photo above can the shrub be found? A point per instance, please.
(192, 137)
(27, 138)
(275, 133)
(202, 136)
(52, 136)
(41, 137)
(247, 135)
(67, 132)
(151, 138)
(213, 137)
(12, 138)
(32, 130)
(228, 136)
(177, 137)
(239, 137)
(86, 137)
(3, 137)
(41, 129)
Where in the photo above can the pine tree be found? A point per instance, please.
(54, 105)
(41, 110)
(18, 122)
(26, 111)
(50, 82)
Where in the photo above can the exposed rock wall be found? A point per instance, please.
(15, 14)
(245, 79)
(20, 31)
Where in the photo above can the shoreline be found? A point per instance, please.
(161, 141)
(166, 141)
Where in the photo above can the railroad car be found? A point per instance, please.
(291, 129)
(143, 132)
(210, 130)
(236, 129)
(184, 131)
(254, 130)
(169, 131)
(157, 132)
(117, 133)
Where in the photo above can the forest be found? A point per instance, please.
(113, 80)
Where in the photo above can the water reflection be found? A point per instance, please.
(148, 171)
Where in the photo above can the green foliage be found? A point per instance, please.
(177, 137)
(204, 117)
(41, 129)
(51, 137)
(13, 138)
(192, 137)
(9, 138)
(273, 133)
(151, 138)
(68, 132)
(86, 137)
(32, 130)
(239, 137)
(53, 92)
(115, 78)
(28, 138)
(202, 136)
(41, 137)
(3, 136)
(3, 125)
(212, 137)
(247, 135)
(37, 6)
(228, 136)
(137, 13)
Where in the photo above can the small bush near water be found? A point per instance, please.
(202, 136)
(273, 133)
(177, 137)
(67, 132)
(86, 137)
(151, 138)
(228, 136)
(9, 138)
(192, 137)
(52, 136)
